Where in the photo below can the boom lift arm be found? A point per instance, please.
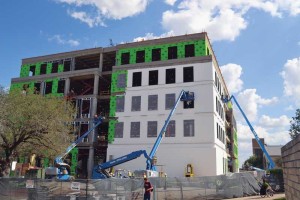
(59, 159)
(99, 172)
(183, 96)
(271, 164)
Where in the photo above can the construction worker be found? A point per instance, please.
(148, 189)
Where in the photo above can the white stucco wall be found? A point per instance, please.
(203, 150)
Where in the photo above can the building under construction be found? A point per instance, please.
(134, 85)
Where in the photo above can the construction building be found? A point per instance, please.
(134, 85)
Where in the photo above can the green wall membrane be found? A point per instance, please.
(112, 106)
(74, 162)
(111, 130)
(114, 81)
(25, 69)
(201, 47)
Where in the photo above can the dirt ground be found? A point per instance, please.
(276, 196)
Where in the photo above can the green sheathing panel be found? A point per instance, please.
(111, 131)
(114, 81)
(26, 68)
(74, 162)
(19, 86)
(112, 106)
(201, 47)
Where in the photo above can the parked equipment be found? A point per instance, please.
(99, 172)
(61, 169)
(271, 163)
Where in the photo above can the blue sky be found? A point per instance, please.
(256, 42)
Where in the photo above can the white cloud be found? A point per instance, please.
(223, 20)
(170, 2)
(150, 36)
(250, 102)
(109, 9)
(279, 123)
(291, 79)
(232, 73)
(86, 18)
(60, 40)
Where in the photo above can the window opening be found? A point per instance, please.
(67, 65)
(32, 70)
(152, 102)
(136, 79)
(54, 67)
(170, 131)
(61, 86)
(152, 129)
(140, 56)
(156, 56)
(170, 76)
(135, 130)
(172, 52)
(170, 101)
(188, 104)
(189, 128)
(120, 103)
(136, 103)
(119, 130)
(188, 74)
(48, 88)
(43, 68)
(37, 88)
(153, 77)
(189, 50)
(85, 108)
(125, 58)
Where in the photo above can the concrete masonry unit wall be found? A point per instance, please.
(291, 168)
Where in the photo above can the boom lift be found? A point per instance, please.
(61, 172)
(271, 164)
(99, 171)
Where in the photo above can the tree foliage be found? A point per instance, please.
(254, 161)
(295, 125)
(34, 124)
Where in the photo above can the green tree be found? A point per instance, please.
(34, 124)
(254, 161)
(295, 125)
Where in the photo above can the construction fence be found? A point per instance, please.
(214, 187)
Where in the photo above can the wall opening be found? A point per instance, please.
(136, 79)
(156, 56)
(153, 77)
(61, 86)
(109, 60)
(67, 65)
(54, 67)
(170, 76)
(43, 69)
(172, 52)
(188, 74)
(32, 70)
(125, 57)
(87, 62)
(48, 87)
(37, 88)
(83, 85)
(140, 56)
(189, 50)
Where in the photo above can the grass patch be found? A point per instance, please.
(282, 198)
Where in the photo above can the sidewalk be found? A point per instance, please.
(276, 196)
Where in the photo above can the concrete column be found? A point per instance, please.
(101, 62)
(72, 68)
(93, 134)
(67, 86)
(42, 90)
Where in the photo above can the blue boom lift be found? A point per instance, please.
(271, 164)
(60, 171)
(99, 172)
